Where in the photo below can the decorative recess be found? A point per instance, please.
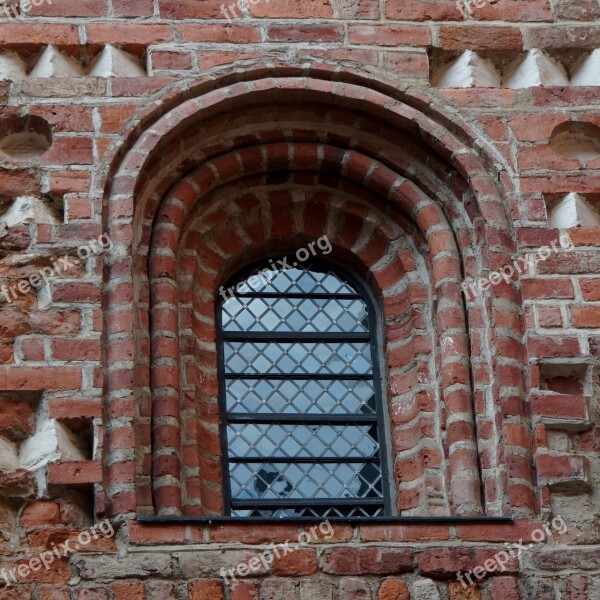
(469, 70)
(12, 66)
(31, 446)
(51, 62)
(25, 137)
(587, 70)
(577, 140)
(28, 209)
(561, 402)
(573, 210)
(535, 69)
(112, 62)
(530, 69)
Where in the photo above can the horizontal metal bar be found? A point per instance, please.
(293, 336)
(300, 296)
(306, 502)
(300, 419)
(390, 520)
(299, 376)
(302, 460)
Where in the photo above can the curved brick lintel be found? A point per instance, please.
(174, 213)
(449, 146)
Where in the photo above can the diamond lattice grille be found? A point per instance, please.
(302, 408)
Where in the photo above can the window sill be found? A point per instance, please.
(350, 520)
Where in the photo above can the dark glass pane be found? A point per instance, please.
(302, 358)
(302, 441)
(322, 512)
(264, 481)
(301, 396)
(294, 281)
(312, 467)
(306, 315)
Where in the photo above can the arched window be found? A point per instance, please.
(302, 426)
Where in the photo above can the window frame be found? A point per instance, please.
(381, 410)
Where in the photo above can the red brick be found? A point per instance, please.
(367, 561)
(422, 10)
(114, 116)
(208, 58)
(40, 378)
(92, 593)
(504, 588)
(32, 349)
(54, 592)
(76, 292)
(558, 406)
(576, 588)
(548, 346)
(517, 11)
(314, 32)
(389, 35)
(309, 9)
(133, 8)
(549, 316)
(171, 60)
(192, 9)
(74, 349)
(65, 182)
(68, 8)
(205, 589)
(443, 563)
(76, 472)
(40, 513)
(157, 534)
(590, 289)
(393, 589)
(32, 36)
(477, 37)
(553, 36)
(585, 316)
(54, 322)
(534, 127)
(64, 118)
(132, 36)
(566, 472)
(481, 97)
(244, 590)
(233, 34)
(539, 288)
(295, 564)
(67, 408)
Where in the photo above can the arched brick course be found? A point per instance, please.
(323, 164)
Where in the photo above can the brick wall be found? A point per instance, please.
(151, 148)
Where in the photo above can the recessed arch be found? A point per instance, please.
(136, 215)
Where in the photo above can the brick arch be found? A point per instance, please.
(255, 239)
(136, 184)
(446, 275)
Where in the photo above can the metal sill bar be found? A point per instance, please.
(222, 520)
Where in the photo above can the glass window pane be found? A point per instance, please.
(301, 396)
(287, 455)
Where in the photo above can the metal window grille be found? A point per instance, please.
(300, 392)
